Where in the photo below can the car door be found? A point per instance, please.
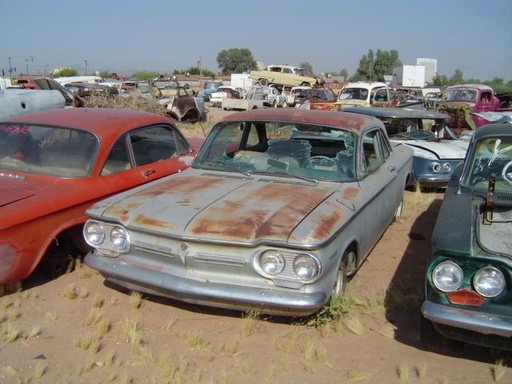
(144, 155)
(378, 180)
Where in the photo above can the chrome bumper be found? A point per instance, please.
(471, 320)
(221, 295)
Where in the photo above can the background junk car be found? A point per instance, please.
(54, 164)
(469, 273)
(437, 150)
(280, 206)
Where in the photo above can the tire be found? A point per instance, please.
(341, 278)
(435, 342)
(56, 262)
(274, 104)
(263, 82)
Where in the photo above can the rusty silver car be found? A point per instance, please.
(279, 207)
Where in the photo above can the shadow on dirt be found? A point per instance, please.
(405, 293)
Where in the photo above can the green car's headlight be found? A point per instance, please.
(447, 276)
(489, 281)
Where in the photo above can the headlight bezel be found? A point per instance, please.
(297, 267)
(110, 235)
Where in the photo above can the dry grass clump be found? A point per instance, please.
(134, 103)
(498, 371)
(135, 300)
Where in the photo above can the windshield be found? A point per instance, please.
(460, 94)
(492, 157)
(52, 151)
(353, 94)
(304, 151)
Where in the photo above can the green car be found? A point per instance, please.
(469, 274)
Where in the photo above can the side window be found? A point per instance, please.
(373, 155)
(118, 159)
(152, 144)
(381, 96)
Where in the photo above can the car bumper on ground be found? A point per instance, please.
(469, 320)
(222, 295)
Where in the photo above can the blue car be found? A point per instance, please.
(437, 150)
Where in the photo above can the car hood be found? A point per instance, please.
(223, 207)
(455, 149)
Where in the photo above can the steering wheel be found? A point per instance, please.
(327, 161)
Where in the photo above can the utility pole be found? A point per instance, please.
(86, 62)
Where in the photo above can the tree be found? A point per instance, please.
(440, 80)
(457, 78)
(144, 75)
(373, 67)
(344, 73)
(307, 66)
(235, 60)
(194, 71)
(66, 72)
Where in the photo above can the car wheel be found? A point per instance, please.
(434, 341)
(263, 82)
(341, 278)
(399, 210)
(57, 262)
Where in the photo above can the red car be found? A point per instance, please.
(54, 164)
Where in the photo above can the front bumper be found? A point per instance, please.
(222, 295)
(468, 320)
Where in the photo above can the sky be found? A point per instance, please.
(127, 36)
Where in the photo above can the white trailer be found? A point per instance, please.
(242, 81)
(409, 76)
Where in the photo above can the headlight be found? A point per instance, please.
(436, 167)
(447, 167)
(120, 239)
(447, 276)
(306, 267)
(94, 233)
(489, 282)
(272, 262)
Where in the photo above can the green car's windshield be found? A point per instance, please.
(52, 151)
(492, 158)
(304, 151)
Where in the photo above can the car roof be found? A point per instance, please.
(397, 113)
(343, 120)
(94, 120)
(493, 130)
(476, 86)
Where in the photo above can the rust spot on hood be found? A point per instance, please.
(350, 193)
(149, 221)
(270, 210)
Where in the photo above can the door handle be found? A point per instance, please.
(147, 173)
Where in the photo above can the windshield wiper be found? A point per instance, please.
(287, 174)
(229, 166)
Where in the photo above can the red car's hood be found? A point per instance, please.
(215, 207)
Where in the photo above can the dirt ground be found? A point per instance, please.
(77, 329)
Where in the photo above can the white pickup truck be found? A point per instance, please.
(255, 99)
